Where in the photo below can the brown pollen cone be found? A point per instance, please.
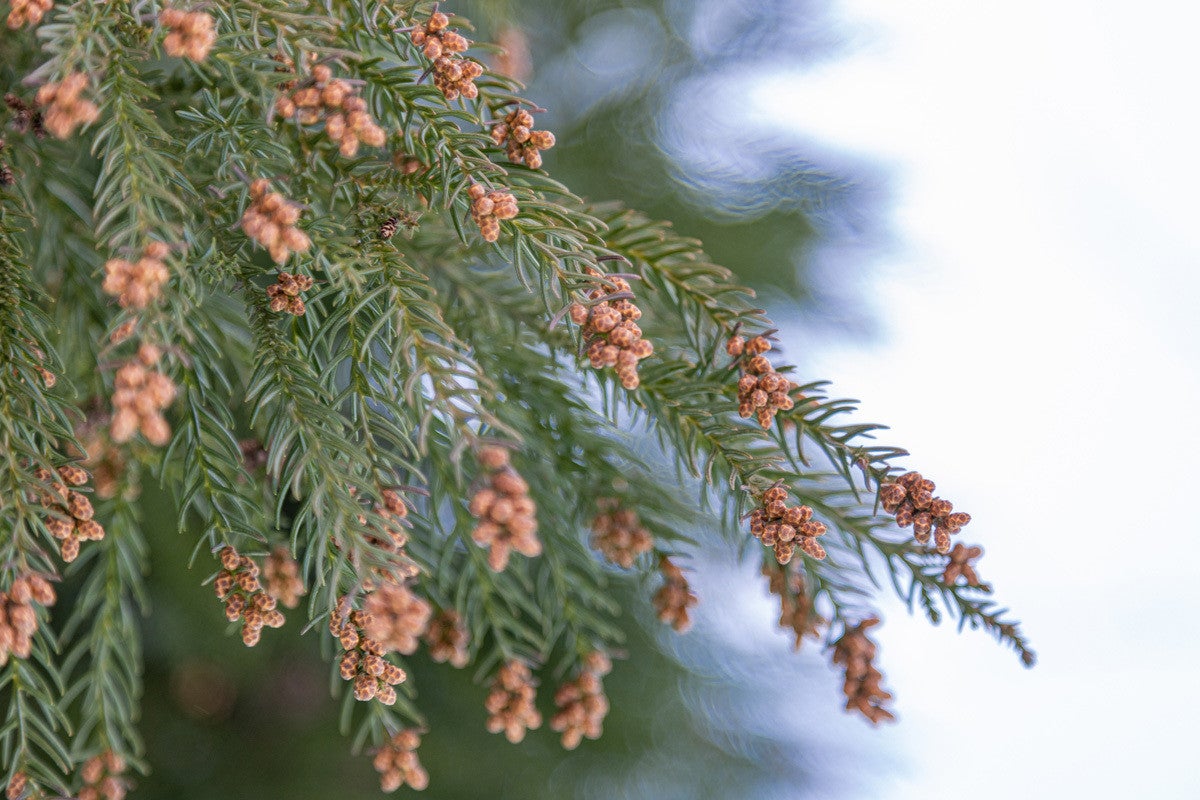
(64, 108)
(611, 336)
(191, 34)
(336, 103)
(506, 512)
(398, 765)
(864, 683)
(26, 116)
(582, 704)
(395, 617)
(17, 786)
(284, 294)
(453, 75)
(28, 12)
(136, 284)
(510, 702)
(520, 141)
(762, 392)
(103, 778)
(674, 598)
(19, 614)
(618, 534)
(363, 662)
(245, 599)
(784, 528)
(71, 518)
(797, 609)
(140, 395)
(448, 638)
(489, 207)
(960, 566)
(282, 575)
(270, 220)
(104, 458)
(910, 499)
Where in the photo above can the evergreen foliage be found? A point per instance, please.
(356, 431)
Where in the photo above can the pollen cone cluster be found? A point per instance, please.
(362, 662)
(271, 221)
(797, 611)
(960, 565)
(447, 639)
(28, 12)
(123, 332)
(17, 786)
(388, 228)
(192, 34)
(518, 138)
(72, 518)
(107, 463)
(398, 765)
(103, 459)
(103, 778)
(610, 331)
(140, 395)
(489, 207)
(783, 527)
(137, 284)
(254, 454)
(392, 536)
(674, 597)
(864, 683)
(284, 294)
(910, 498)
(394, 511)
(238, 585)
(49, 379)
(581, 703)
(387, 531)
(282, 575)
(453, 75)
(64, 109)
(18, 614)
(618, 534)
(510, 703)
(26, 117)
(395, 617)
(506, 512)
(407, 165)
(762, 392)
(348, 123)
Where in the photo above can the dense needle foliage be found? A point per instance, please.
(297, 262)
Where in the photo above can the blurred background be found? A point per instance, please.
(977, 216)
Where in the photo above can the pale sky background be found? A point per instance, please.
(1038, 357)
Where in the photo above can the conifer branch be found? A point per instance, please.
(105, 657)
(215, 486)
(309, 452)
(33, 424)
(383, 370)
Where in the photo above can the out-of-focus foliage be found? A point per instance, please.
(224, 722)
(656, 102)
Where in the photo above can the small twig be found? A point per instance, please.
(557, 318)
